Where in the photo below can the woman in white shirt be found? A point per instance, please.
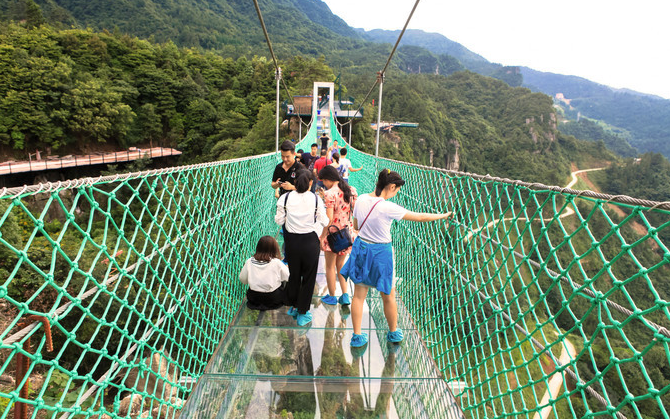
(266, 275)
(303, 216)
(371, 261)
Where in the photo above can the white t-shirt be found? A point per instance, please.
(345, 164)
(377, 228)
(264, 276)
(300, 209)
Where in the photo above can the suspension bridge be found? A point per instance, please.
(120, 298)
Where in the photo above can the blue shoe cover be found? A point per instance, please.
(329, 299)
(344, 299)
(359, 340)
(304, 319)
(395, 337)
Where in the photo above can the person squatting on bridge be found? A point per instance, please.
(304, 219)
(340, 200)
(371, 261)
(266, 275)
(283, 178)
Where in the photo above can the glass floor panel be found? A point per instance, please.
(318, 353)
(323, 315)
(268, 367)
(281, 397)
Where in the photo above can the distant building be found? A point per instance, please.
(561, 98)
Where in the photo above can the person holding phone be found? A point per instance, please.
(283, 178)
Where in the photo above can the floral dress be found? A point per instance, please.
(334, 198)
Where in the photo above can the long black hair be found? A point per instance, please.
(387, 177)
(331, 173)
(302, 179)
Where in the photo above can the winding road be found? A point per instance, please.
(569, 353)
(556, 382)
(568, 210)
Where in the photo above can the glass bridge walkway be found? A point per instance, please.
(266, 366)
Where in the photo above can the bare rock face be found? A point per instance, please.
(131, 404)
(294, 126)
(154, 380)
(167, 411)
(6, 380)
(453, 156)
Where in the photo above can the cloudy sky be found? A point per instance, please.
(623, 44)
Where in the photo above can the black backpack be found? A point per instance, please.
(316, 206)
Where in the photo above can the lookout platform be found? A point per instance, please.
(54, 163)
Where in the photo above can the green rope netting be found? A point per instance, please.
(534, 302)
(138, 279)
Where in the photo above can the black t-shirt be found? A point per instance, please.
(308, 159)
(286, 176)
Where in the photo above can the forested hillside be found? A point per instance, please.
(494, 128)
(72, 89)
(646, 117)
(101, 87)
(648, 176)
(587, 129)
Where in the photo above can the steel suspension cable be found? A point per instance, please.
(272, 53)
(380, 74)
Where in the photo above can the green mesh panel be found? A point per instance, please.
(133, 272)
(534, 302)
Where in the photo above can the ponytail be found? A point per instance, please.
(331, 173)
(346, 190)
(303, 177)
(387, 177)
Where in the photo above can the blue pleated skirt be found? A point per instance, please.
(370, 264)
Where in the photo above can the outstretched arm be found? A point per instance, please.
(425, 216)
(352, 169)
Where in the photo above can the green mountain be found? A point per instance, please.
(643, 116)
(439, 44)
(587, 129)
(212, 107)
(434, 42)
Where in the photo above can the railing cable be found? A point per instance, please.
(274, 57)
(381, 74)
